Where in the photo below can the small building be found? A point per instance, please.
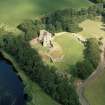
(45, 38)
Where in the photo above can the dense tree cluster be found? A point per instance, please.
(92, 51)
(68, 19)
(58, 85)
(92, 54)
(64, 20)
(58, 21)
(30, 28)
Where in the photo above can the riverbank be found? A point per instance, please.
(35, 93)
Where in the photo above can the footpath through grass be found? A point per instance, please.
(39, 97)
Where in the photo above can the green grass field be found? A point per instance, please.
(92, 28)
(72, 49)
(95, 91)
(12, 12)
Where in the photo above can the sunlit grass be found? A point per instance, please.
(72, 49)
(92, 28)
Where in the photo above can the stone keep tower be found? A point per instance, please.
(46, 38)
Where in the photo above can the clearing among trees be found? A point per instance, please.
(92, 28)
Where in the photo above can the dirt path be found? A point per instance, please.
(98, 71)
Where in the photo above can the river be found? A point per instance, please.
(11, 88)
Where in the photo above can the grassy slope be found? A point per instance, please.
(39, 96)
(72, 49)
(95, 91)
(15, 11)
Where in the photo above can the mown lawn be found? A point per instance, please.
(13, 12)
(72, 49)
(92, 28)
(95, 91)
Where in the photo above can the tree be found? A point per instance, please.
(58, 26)
(31, 28)
(50, 28)
(83, 69)
(92, 51)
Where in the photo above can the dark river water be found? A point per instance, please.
(11, 88)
